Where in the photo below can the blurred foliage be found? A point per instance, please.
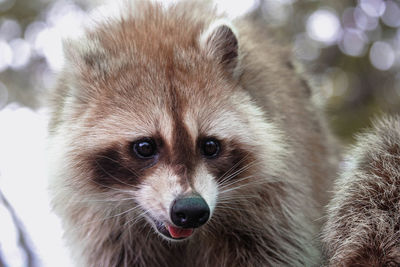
(353, 88)
(352, 48)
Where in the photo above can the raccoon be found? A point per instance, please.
(363, 227)
(179, 138)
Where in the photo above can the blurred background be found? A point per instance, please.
(351, 48)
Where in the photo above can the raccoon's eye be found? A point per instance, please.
(210, 147)
(145, 148)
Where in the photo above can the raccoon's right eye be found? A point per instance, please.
(210, 148)
(145, 148)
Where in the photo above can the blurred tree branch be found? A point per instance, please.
(22, 238)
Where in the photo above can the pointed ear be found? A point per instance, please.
(86, 54)
(220, 42)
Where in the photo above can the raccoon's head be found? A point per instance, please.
(152, 120)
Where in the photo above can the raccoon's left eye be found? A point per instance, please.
(145, 148)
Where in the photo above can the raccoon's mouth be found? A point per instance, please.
(173, 232)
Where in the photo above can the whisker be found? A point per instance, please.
(234, 174)
(136, 219)
(235, 182)
(237, 172)
(124, 212)
(222, 178)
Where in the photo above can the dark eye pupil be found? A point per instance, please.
(211, 148)
(145, 148)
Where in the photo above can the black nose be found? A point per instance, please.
(190, 212)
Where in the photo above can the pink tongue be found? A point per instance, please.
(179, 232)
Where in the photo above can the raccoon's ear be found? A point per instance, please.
(86, 55)
(220, 42)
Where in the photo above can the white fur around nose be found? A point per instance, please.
(204, 184)
(158, 191)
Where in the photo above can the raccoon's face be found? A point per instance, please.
(163, 133)
(174, 158)
(175, 167)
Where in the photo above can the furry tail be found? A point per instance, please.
(363, 227)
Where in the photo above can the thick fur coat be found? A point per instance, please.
(178, 75)
(363, 227)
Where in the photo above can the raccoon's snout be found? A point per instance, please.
(190, 211)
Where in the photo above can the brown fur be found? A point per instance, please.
(363, 228)
(152, 74)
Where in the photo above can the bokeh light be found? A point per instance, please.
(48, 44)
(237, 9)
(67, 18)
(363, 20)
(6, 55)
(21, 53)
(382, 55)
(353, 42)
(348, 19)
(374, 8)
(10, 29)
(324, 26)
(391, 17)
(33, 30)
